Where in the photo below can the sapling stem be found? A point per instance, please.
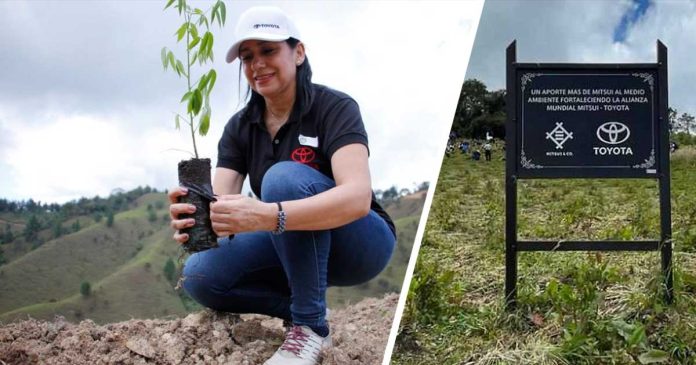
(188, 77)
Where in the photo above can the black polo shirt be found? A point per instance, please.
(310, 136)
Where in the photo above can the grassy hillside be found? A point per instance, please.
(573, 307)
(405, 212)
(389, 280)
(124, 266)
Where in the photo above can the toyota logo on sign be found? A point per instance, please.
(613, 133)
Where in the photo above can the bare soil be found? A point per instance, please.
(359, 332)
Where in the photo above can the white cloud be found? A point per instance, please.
(80, 155)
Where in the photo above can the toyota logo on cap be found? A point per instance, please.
(613, 133)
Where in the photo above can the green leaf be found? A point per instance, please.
(195, 102)
(194, 42)
(194, 57)
(197, 11)
(193, 30)
(181, 32)
(213, 13)
(653, 356)
(637, 336)
(202, 48)
(164, 57)
(181, 5)
(180, 67)
(171, 59)
(203, 82)
(186, 96)
(205, 122)
(212, 75)
(209, 45)
(169, 3)
(203, 20)
(223, 13)
(176, 122)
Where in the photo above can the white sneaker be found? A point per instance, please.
(301, 347)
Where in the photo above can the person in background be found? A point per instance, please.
(487, 150)
(464, 147)
(476, 155)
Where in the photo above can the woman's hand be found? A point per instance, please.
(175, 209)
(236, 213)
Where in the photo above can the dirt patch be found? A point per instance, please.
(360, 334)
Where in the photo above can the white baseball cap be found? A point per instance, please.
(265, 23)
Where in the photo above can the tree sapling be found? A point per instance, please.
(194, 174)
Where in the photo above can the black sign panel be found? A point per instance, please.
(574, 120)
(584, 122)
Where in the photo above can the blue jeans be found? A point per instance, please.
(286, 275)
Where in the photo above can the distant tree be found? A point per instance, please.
(169, 270)
(58, 228)
(31, 206)
(423, 186)
(76, 225)
(471, 101)
(109, 219)
(2, 257)
(85, 288)
(390, 194)
(479, 111)
(152, 216)
(98, 217)
(118, 202)
(404, 192)
(8, 236)
(31, 230)
(686, 121)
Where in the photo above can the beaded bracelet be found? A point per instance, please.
(280, 228)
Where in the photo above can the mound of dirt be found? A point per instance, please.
(360, 334)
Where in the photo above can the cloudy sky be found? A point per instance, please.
(589, 31)
(85, 106)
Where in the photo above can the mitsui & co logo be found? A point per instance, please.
(613, 134)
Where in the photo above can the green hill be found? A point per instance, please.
(123, 264)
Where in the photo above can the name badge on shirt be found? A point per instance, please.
(309, 141)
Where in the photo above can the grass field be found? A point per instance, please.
(573, 307)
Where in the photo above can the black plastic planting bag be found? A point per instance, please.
(194, 174)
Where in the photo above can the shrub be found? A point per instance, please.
(110, 219)
(169, 270)
(85, 288)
